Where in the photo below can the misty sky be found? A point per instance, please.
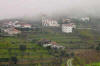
(16, 8)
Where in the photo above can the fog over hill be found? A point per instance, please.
(33, 8)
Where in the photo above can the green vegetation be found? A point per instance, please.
(86, 34)
(98, 47)
(93, 64)
(25, 47)
(78, 61)
(11, 46)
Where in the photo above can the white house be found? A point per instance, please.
(49, 22)
(17, 25)
(46, 45)
(10, 23)
(7, 24)
(49, 43)
(67, 28)
(67, 20)
(26, 25)
(85, 19)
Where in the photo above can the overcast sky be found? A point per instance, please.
(16, 8)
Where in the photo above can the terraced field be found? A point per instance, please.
(10, 46)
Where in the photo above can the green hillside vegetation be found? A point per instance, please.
(25, 47)
(93, 64)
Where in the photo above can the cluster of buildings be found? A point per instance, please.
(17, 24)
(82, 19)
(48, 22)
(66, 26)
(12, 31)
(11, 27)
(49, 43)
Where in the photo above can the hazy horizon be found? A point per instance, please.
(20, 8)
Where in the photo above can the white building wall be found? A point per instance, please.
(67, 29)
(53, 23)
(48, 22)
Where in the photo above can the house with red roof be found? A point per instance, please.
(52, 44)
(12, 31)
(26, 25)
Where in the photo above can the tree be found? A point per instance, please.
(14, 59)
(62, 53)
(48, 47)
(98, 47)
(67, 55)
(72, 54)
(22, 47)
